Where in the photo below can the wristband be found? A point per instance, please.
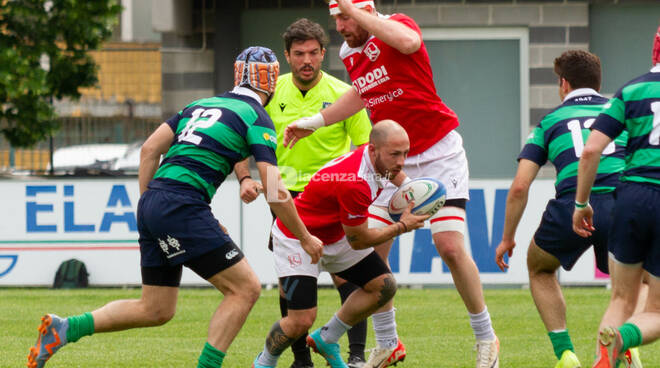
(312, 122)
(243, 178)
(581, 205)
(405, 228)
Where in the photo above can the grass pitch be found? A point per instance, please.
(432, 323)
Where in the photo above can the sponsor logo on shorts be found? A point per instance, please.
(168, 243)
(231, 254)
(295, 260)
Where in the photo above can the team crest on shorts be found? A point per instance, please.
(295, 260)
(173, 243)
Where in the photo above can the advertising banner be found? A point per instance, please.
(46, 222)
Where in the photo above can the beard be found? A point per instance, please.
(307, 81)
(385, 172)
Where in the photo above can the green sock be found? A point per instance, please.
(561, 342)
(80, 326)
(210, 358)
(631, 336)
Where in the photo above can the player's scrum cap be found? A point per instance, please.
(334, 7)
(656, 47)
(258, 68)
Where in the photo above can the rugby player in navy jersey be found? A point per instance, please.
(201, 144)
(634, 239)
(559, 138)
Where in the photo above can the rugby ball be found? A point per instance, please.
(429, 195)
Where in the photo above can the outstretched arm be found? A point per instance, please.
(393, 33)
(516, 202)
(345, 106)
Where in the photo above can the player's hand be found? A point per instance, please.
(224, 229)
(250, 190)
(583, 221)
(293, 134)
(505, 247)
(412, 221)
(312, 246)
(346, 7)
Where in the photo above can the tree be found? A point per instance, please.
(44, 54)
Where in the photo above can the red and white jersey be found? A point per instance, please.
(339, 193)
(400, 87)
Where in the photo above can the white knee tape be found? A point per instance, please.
(379, 217)
(448, 219)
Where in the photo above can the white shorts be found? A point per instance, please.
(292, 260)
(445, 161)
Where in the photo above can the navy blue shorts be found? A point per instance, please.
(555, 235)
(177, 228)
(635, 235)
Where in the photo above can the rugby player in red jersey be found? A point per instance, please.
(392, 76)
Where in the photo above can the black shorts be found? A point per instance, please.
(555, 235)
(179, 229)
(635, 234)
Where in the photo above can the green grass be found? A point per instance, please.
(431, 322)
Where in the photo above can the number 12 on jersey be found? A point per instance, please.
(195, 122)
(575, 128)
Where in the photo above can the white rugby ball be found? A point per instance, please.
(429, 195)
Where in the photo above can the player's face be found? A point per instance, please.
(305, 59)
(391, 156)
(354, 35)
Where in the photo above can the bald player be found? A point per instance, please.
(334, 207)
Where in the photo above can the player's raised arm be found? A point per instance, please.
(393, 33)
(346, 106)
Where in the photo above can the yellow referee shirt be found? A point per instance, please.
(297, 165)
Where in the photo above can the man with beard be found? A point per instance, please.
(305, 91)
(335, 207)
(392, 77)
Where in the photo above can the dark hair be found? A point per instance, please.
(302, 30)
(580, 68)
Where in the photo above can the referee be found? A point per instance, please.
(304, 92)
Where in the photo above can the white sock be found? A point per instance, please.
(267, 358)
(482, 326)
(332, 331)
(385, 329)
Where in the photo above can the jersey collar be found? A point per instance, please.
(244, 91)
(371, 176)
(581, 92)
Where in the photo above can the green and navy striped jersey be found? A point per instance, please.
(560, 137)
(210, 136)
(635, 108)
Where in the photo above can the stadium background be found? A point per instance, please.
(492, 63)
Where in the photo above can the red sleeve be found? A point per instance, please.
(409, 22)
(354, 202)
